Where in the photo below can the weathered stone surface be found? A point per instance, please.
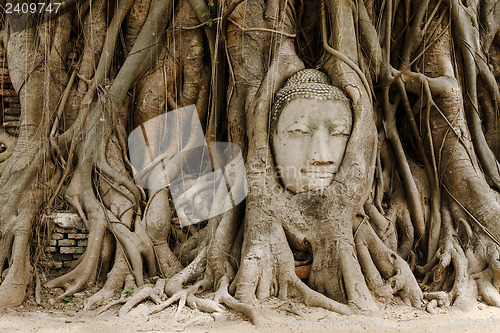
(82, 242)
(67, 220)
(53, 242)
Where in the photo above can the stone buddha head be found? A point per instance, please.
(311, 122)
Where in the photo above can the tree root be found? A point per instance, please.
(118, 278)
(379, 262)
(450, 256)
(147, 291)
(488, 280)
(222, 295)
(486, 288)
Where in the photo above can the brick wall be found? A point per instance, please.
(68, 239)
(9, 103)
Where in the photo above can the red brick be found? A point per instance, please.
(78, 236)
(66, 242)
(56, 235)
(11, 99)
(65, 231)
(51, 249)
(5, 79)
(7, 92)
(12, 110)
(72, 250)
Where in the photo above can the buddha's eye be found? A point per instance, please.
(339, 130)
(299, 128)
(3, 147)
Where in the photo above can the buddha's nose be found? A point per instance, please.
(320, 152)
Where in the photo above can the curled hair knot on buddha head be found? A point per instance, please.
(308, 84)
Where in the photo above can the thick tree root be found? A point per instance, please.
(22, 201)
(145, 292)
(222, 295)
(118, 279)
(379, 262)
(450, 256)
(487, 288)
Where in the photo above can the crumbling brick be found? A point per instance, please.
(62, 257)
(66, 242)
(71, 250)
(56, 235)
(51, 249)
(78, 236)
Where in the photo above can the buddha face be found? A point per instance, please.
(309, 142)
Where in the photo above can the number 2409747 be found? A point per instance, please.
(34, 7)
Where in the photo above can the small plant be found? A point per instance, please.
(209, 19)
(425, 287)
(128, 292)
(167, 275)
(68, 299)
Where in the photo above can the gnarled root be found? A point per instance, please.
(174, 288)
(268, 269)
(379, 263)
(110, 206)
(117, 279)
(449, 265)
(21, 198)
(488, 280)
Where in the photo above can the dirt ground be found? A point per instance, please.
(68, 317)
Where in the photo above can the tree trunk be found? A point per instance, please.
(411, 211)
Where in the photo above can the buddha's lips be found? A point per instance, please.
(318, 173)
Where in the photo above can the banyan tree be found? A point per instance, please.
(359, 138)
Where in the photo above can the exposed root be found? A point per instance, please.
(118, 278)
(146, 292)
(386, 264)
(180, 296)
(443, 299)
(486, 288)
(450, 256)
(222, 295)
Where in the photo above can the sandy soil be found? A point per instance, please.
(68, 317)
